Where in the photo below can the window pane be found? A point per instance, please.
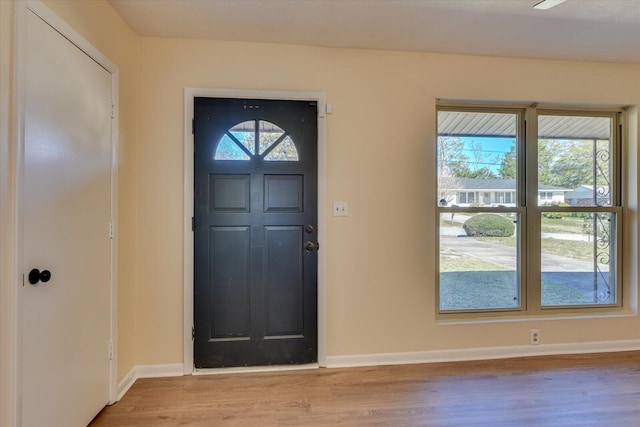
(227, 149)
(245, 133)
(478, 261)
(578, 254)
(574, 160)
(268, 134)
(284, 151)
(476, 154)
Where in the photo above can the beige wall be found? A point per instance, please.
(380, 152)
(101, 25)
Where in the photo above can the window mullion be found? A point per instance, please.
(531, 253)
(616, 176)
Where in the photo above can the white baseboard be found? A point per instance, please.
(148, 371)
(126, 383)
(433, 356)
(480, 353)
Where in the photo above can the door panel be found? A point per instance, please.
(255, 207)
(230, 193)
(230, 282)
(65, 213)
(283, 193)
(284, 284)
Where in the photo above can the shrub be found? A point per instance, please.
(553, 215)
(489, 225)
(556, 215)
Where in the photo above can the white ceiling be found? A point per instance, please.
(598, 30)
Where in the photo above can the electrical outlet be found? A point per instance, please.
(534, 337)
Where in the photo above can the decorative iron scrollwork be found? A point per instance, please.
(601, 166)
(602, 257)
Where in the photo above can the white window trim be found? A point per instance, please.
(626, 235)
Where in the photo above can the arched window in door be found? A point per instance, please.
(256, 138)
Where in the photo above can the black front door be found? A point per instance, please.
(255, 232)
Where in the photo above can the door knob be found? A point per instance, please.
(36, 276)
(309, 246)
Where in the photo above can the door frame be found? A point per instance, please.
(17, 174)
(189, 94)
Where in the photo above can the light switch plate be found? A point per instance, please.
(340, 209)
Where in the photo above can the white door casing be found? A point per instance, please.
(189, 94)
(67, 139)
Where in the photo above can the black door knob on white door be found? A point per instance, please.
(36, 276)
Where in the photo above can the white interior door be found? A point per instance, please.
(66, 215)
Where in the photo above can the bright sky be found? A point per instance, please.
(490, 152)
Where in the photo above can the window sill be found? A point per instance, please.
(441, 321)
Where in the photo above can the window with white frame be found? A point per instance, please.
(527, 250)
(504, 197)
(466, 197)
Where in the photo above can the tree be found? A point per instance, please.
(509, 165)
(571, 163)
(454, 163)
(482, 173)
(451, 161)
(451, 157)
(472, 168)
(564, 163)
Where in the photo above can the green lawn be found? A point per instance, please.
(557, 294)
(451, 261)
(446, 221)
(569, 225)
(567, 248)
(468, 283)
(465, 290)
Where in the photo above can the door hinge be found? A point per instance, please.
(193, 223)
(193, 333)
(110, 351)
(113, 111)
(111, 232)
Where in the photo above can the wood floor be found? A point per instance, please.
(572, 390)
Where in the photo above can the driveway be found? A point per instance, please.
(576, 274)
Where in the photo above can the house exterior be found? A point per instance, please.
(491, 192)
(585, 195)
